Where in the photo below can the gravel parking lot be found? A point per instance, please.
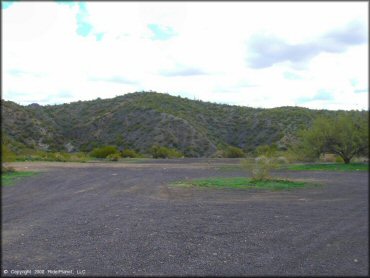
(126, 219)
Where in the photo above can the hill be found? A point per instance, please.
(140, 120)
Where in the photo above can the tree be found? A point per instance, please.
(346, 135)
(129, 153)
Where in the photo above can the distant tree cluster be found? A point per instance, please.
(346, 136)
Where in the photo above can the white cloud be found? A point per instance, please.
(45, 60)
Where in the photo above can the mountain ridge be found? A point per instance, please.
(142, 119)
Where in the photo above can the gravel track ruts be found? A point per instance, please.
(125, 219)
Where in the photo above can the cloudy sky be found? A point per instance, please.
(257, 54)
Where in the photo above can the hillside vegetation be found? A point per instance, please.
(141, 120)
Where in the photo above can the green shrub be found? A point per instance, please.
(338, 159)
(103, 152)
(44, 156)
(173, 153)
(266, 150)
(233, 152)
(62, 157)
(113, 156)
(6, 154)
(32, 155)
(163, 152)
(78, 157)
(129, 153)
(291, 156)
(281, 160)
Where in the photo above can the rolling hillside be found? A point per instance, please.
(140, 120)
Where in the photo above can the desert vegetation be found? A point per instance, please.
(329, 167)
(244, 183)
(163, 152)
(346, 136)
(233, 152)
(9, 177)
(149, 124)
(104, 152)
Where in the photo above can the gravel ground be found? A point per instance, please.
(107, 219)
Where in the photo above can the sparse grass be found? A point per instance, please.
(244, 183)
(135, 160)
(53, 156)
(10, 177)
(329, 167)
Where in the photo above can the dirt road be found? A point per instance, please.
(125, 219)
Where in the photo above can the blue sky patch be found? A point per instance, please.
(161, 32)
(15, 72)
(6, 4)
(182, 71)
(68, 3)
(114, 79)
(321, 95)
(64, 94)
(291, 76)
(99, 36)
(84, 27)
(303, 100)
(354, 82)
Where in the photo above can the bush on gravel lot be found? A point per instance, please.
(103, 152)
(261, 166)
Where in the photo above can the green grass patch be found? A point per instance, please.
(11, 177)
(244, 183)
(329, 167)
